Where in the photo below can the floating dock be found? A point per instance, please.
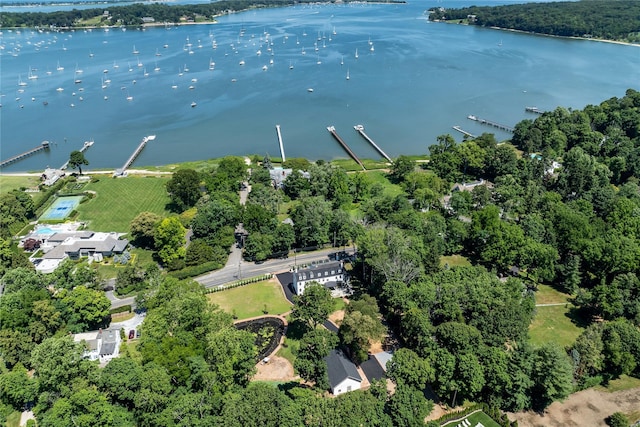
(332, 131)
(490, 123)
(360, 130)
(123, 170)
(464, 132)
(43, 146)
(84, 148)
(284, 159)
(535, 110)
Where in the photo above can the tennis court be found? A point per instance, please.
(61, 207)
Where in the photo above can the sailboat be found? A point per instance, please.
(59, 67)
(31, 75)
(135, 51)
(156, 68)
(20, 82)
(348, 74)
(342, 60)
(356, 53)
(290, 65)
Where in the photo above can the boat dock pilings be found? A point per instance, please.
(535, 110)
(43, 146)
(332, 131)
(123, 169)
(360, 130)
(490, 123)
(464, 132)
(281, 145)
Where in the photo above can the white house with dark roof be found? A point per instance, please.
(342, 372)
(100, 345)
(331, 275)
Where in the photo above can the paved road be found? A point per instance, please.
(240, 269)
(119, 302)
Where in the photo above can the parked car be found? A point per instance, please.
(137, 333)
(131, 334)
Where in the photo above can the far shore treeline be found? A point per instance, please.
(132, 15)
(609, 20)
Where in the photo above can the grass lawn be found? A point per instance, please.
(11, 182)
(130, 349)
(548, 295)
(13, 419)
(454, 261)
(249, 301)
(553, 324)
(625, 382)
(120, 200)
(140, 257)
(484, 419)
(198, 165)
(380, 177)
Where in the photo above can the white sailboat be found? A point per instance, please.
(356, 53)
(135, 51)
(290, 65)
(348, 77)
(342, 60)
(20, 82)
(59, 67)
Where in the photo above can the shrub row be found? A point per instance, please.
(492, 412)
(195, 270)
(123, 309)
(240, 283)
(48, 193)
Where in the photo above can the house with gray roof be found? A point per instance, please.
(342, 372)
(331, 275)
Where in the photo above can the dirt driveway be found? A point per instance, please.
(585, 408)
(277, 369)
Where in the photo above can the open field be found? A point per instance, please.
(585, 408)
(625, 382)
(249, 301)
(454, 261)
(548, 295)
(552, 323)
(380, 177)
(120, 200)
(12, 182)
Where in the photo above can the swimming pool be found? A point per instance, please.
(61, 207)
(44, 230)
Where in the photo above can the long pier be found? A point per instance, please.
(84, 148)
(43, 146)
(360, 130)
(332, 131)
(130, 160)
(490, 123)
(281, 145)
(464, 132)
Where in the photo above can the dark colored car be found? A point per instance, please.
(131, 334)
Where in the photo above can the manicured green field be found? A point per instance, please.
(11, 182)
(481, 417)
(250, 300)
(548, 295)
(381, 178)
(552, 324)
(118, 201)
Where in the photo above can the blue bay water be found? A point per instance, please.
(421, 79)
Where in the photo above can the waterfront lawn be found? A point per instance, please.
(119, 200)
(12, 182)
(380, 177)
(250, 300)
(553, 323)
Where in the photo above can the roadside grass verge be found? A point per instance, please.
(118, 201)
(249, 301)
(553, 324)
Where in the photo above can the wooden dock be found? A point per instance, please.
(464, 132)
(43, 146)
(122, 171)
(84, 148)
(284, 159)
(490, 123)
(332, 131)
(360, 130)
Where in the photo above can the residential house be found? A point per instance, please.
(342, 372)
(279, 175)
(331, 275)
(100, 345)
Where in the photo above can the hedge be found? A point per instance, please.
(123, 309)
(195, 270)
(240, 283)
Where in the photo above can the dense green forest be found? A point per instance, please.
(609, 20)
(462, 330)
(132, 15)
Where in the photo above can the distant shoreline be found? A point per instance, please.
(455, 22)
